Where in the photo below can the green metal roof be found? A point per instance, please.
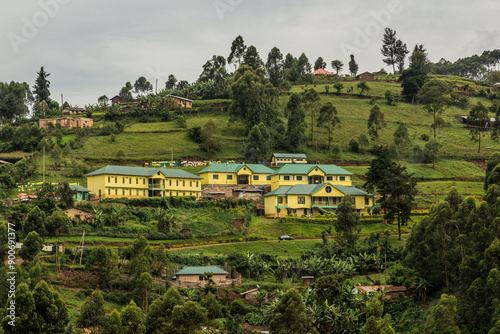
(290, 155)
(234, 168)
(307, 168)
(310, 189)
(200, 270)
(79, 188)
(143, 171)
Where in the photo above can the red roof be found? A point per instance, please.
(322, 71)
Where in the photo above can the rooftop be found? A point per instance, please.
(290, 155)
(79, 188)
(201, 270)
(310, 189)
(235, 168)
(308, 168)
(143, 171)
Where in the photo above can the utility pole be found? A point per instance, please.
(43, 167)
(81, 248)
(62, 102)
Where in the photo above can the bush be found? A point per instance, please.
(354, 146)
(238, 307)
(424, 137)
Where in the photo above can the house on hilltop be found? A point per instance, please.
(66, 122)
(140, 182)
(365, 76)
(196, 277)
(319, 72)
(280, 159)
(73, 111)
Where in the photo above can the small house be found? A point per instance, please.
(365, 76)
(250, 295)
(117, 100)
(307, 280)
(73, 111)
(388, 291)
(280, 159)
(82, 193)
(78, 214)
(177, 101)
(195, 277)
(319, 72)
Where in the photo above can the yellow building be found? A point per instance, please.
(136, 182)
(280, 159)
(303, 174)
(311, 199)
(234, 174)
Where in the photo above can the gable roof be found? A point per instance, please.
(235, 168)
(143, 171)
(307, 168)
(365, 73)
(200, 270)
(79, 188)
(322, 71)
(180, 98)
(290, 155)
(310, 189)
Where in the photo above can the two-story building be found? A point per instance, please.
(303, 174)
(236, 174)
(281, 159)
(313, 199)
(136, 182)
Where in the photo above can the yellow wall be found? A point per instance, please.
(131, 186)
(208, 178)
(281, 161)
(278, 180)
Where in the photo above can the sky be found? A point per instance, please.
(92, 48)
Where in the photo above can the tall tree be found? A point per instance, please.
(375, 121)
(443, 317)
(252, 58)
(311, 99)
(434, 95)
(478, 119)
(41, 87)
(401, 136)
(32, 245)
(171, 82)
(92, 310)
(238, 49)
(402, 52)
(142, 85)
(303, 65)
(26, 318)
(328, 119)
(375, 323)
(413, 78)
(337, 65)
(274, 66)
(51, 310)
(13, 99)
(258, 145)
(295, 131)
(389, 49)
(320, 63)
(289, 316)
(353, 66)
(133, 319)
(347, 224)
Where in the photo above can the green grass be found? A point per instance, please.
(444, 187)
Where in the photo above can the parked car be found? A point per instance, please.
(286, 237)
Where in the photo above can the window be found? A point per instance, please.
(144, 181)
(286, 177)
(256, 178)
(277, 210)
(328, 189)
(109, 191)
(109, 179)
(177, 182)
(367, 201)
(177, 194)
(196, 184)
(116, 191)
(136, 180)
(342, 178)
(301, 200)
(130, 192)
(269, 177)
(183, 194)
(123, 180)
(116, 179)
(216, 177)
(163, 183)
(144, 193)
(305, 212)
(123, 192)
(280, 200)
(190, 184)
(200, 277)
(183, 183)
(129, 180)
(299, 178)
(137, 193)
(329, 178)
(170, 194)
(229, 177)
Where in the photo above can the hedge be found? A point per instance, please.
(328, 219)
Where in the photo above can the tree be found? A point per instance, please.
(347, 224)
(443, 316)
(133, 319)
(353, 66)
(363, 87)
(66, 194)
(363, 142)
(171, 82)
(188, 317)
(35, 221)
(431, 150)
(493, 161)
(434, 95)
(328, 119)
(330, 288)
(41, 87)
(479, 119)
(212, 305)
(289, 316)
(338, 86)
(413, 78)
(142, 290)
(13, 99)
(92, 310)
(258, 145)
(26, 318)
(296, 122)
(303, 65)
(389, 96)
(142, 85)
(51, 310)
(252, 58)
(126, 92)
(210, 143)
(113, 323)
(402, 51)
(274, 66)
(32, 245)
(320, 63)
(238, 49)
(401, 136)
(103, 101)
(375, 324)
(311, 99)
(160, 311)
(389, 49)
(375, 122)
(337, 65)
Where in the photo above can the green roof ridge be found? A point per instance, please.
(143, 171)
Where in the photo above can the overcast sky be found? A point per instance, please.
(91, 48)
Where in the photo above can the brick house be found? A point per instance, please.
(366, 76)
(67, 122)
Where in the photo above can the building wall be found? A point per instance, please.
(131, 186)
(282, 161)
(278, 180)
(196, 278)
(366, 77)
(67, 122)
(208, 178)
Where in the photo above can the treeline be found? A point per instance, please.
(473, 67)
